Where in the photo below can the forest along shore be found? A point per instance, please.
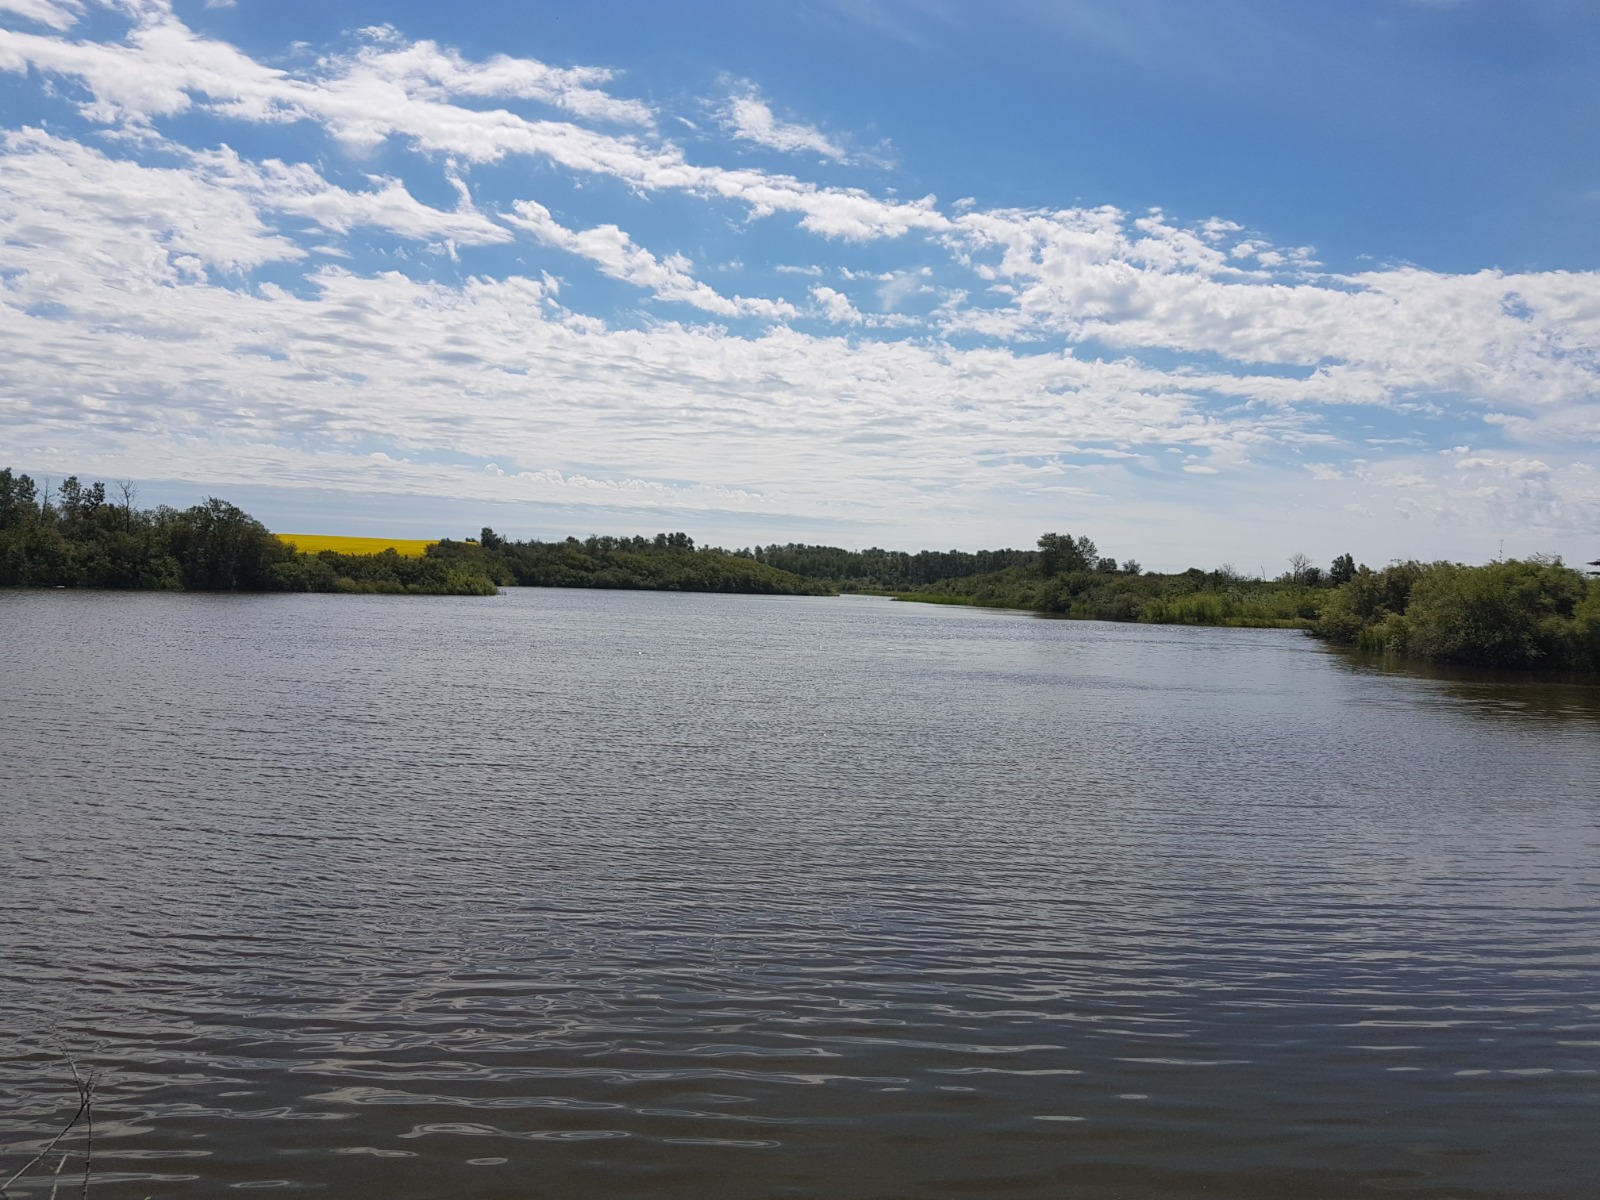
(1533, 614)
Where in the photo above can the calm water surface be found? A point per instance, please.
(603, 895)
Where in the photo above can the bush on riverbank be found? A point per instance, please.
(386, 573)
(879, 570)
(1109, 593)
(1533, 614)
(1525, 613)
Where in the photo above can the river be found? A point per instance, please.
(608, 894)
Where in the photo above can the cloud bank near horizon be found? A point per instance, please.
(386, 267)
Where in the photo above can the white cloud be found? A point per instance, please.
(748, 117)
(299, 190)
(425, 70)
(172, 308)
(57, 14)
(900, 286)
(836, 306)
(65, 206)
(615, 253)
(393, 89)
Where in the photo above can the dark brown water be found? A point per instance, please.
(633, 895)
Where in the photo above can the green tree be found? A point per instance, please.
(1061, 553)
(221, 548)
(19, 499)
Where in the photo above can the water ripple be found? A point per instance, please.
(673, 896)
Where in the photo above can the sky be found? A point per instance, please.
(1212, 283)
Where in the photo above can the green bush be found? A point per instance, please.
(1506, 614)
(1524, 613)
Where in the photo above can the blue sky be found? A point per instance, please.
(1210, 283)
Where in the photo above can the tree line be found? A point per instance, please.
(1535, 613)
(665, 562)
(876, 569)
(1529, 614)
(78, 535)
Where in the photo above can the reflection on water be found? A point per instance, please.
(633, 895)
(1491, 693)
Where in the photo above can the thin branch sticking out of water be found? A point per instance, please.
(85, 1085)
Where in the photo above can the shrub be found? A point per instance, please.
(1529, 613)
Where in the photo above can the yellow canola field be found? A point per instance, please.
(314, 543)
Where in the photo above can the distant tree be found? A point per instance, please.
(19, 497)
(127, 490)
(1061, 553)
(1342, 571)
(79, 501)
(220, 548)
(490, 540)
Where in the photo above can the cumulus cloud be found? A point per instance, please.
(836, 306)
(298, 189)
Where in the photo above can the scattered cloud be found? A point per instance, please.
(836, 306)
(175, 305)
(57, 14)
(613, 251)
(749, 118)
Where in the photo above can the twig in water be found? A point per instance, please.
(56, 1177)
(85, 1088)
(85, 1085)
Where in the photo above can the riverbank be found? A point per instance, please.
(1535, 614)
(1190, 598)
(1526, 615)
(80, 536)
